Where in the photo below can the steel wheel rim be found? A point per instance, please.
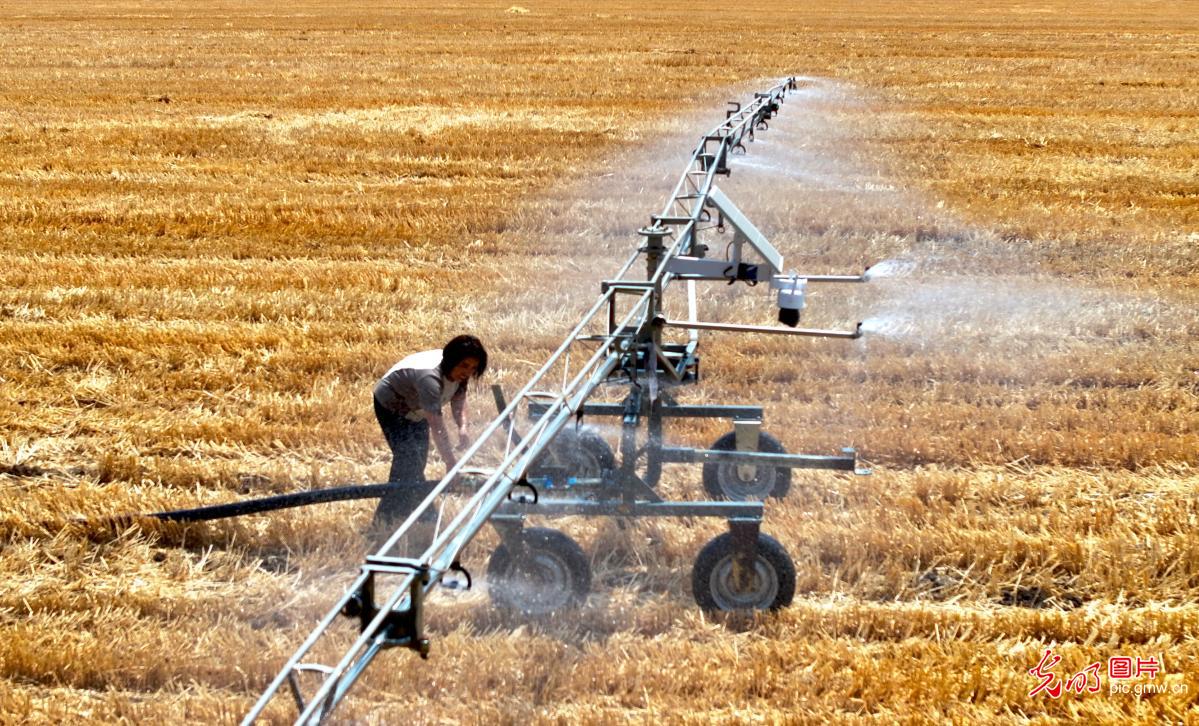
(762, 593)
(587, 466)
(539, 584)
(736, 488)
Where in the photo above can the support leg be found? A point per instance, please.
(745, 549)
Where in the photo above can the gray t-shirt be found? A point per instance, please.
(415, 386)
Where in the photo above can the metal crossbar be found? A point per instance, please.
(486, 488)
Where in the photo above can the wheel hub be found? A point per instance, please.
(738, 588)
(741, 482)
(540, 583)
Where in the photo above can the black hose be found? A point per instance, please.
(267, 504)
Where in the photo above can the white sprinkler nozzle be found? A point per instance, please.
(792, 290)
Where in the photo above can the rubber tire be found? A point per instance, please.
(653, 455)
(588, 442)
(559, 558)
(766, 444)
(713, 565)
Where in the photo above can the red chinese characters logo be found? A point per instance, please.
(1086, 679)
(1119, 667)
(1048, 680)
(1122, 666)
(1148, 667)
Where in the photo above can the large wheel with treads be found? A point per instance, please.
(719, 584)
(746, 482)
(581, 453)
(546, 571)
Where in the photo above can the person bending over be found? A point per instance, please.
(409, 402)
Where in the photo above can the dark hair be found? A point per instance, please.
(461, 348)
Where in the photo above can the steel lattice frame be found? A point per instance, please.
(396, 619)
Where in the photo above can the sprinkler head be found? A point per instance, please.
(792, 290)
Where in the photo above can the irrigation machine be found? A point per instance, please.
(536, 460)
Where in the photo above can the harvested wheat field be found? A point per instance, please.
(221, 222)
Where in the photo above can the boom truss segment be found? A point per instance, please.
(619, 339)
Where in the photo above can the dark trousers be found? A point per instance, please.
(409, 444)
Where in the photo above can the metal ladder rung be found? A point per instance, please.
(672, 220)
(392, 565)
(294, 684)
(476, 471)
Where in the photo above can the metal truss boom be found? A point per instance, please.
(474, 489)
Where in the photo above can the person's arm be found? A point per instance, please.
(441, 437)
(429, 392)
(458, 408)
